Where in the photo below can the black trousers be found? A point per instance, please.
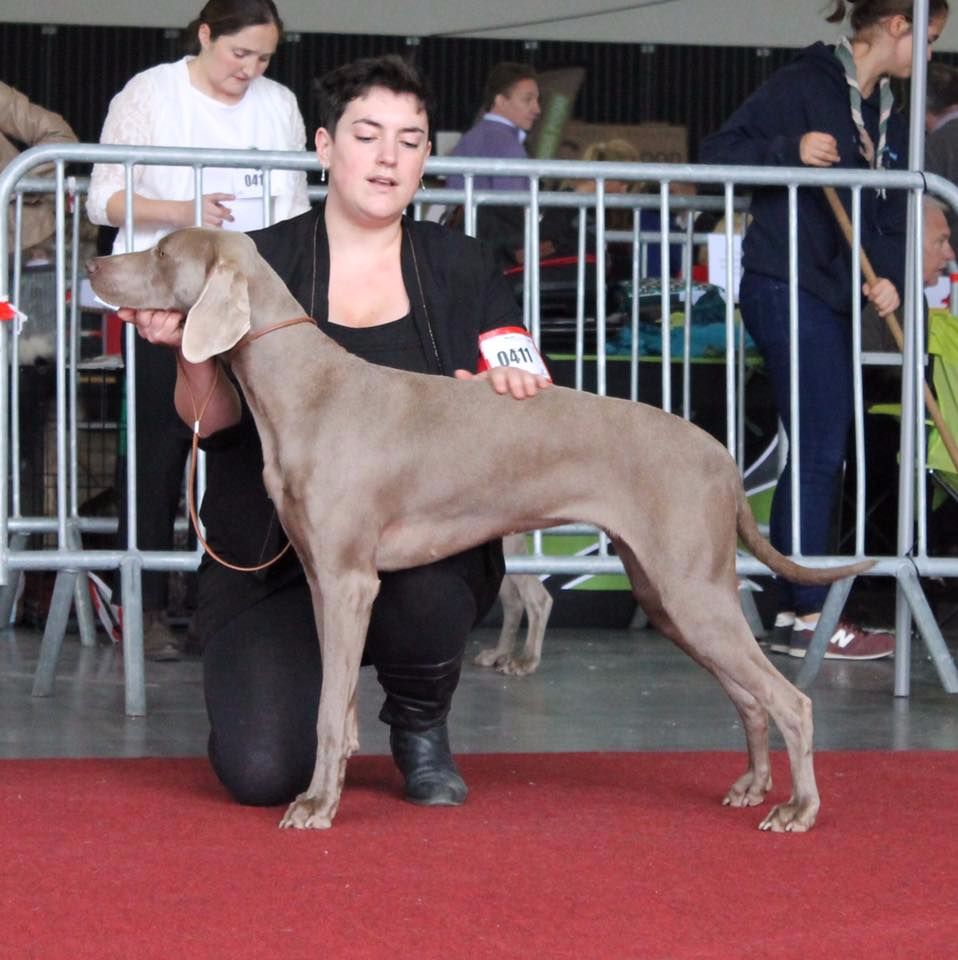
(163, 446)
(263, 673)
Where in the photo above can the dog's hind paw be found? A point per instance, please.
(791, 817)
(490, 657)
(305, 813)
(748, 791)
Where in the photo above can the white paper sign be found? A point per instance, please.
(938, 294)
(718, 261)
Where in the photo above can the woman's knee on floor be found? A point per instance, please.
(259, 775)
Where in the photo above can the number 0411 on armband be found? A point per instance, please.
(510, 347)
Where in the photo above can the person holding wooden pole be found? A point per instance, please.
(830, 107)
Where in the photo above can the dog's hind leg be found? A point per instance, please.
(792, 712)
(352, 725)
(713, 631)
(751, 788)
(724, 644)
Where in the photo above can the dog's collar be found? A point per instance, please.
(255, 335)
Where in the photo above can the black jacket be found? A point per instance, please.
(811, 94)
(456, 291)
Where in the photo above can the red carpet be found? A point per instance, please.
(554, 856)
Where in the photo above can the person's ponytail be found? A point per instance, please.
(838, 14)
(863, 14)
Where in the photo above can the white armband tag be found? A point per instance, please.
(511, 347)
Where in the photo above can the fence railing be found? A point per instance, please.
(71, 558)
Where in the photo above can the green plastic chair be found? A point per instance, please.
(943, 346)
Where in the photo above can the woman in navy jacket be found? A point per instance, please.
(832, 106)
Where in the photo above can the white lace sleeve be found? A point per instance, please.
(129, 121)
(297, 141)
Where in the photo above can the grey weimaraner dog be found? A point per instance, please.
(520, 593)
(667, 493)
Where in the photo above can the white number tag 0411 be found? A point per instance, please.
(511, 347)
(247, 183)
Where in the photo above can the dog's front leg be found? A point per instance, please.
(343, 605)
(512, 611)
(537, 602)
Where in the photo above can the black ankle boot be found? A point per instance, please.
(424, 759)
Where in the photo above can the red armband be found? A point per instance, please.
(511, 347)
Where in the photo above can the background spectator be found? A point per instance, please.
(510, 109)
(24, 124)
(941, 112)
(829, 107)
(216, 96)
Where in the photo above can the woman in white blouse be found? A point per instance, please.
(219, 99)
(215, 98)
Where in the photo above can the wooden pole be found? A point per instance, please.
(893, 325)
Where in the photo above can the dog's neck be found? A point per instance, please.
(271, 298)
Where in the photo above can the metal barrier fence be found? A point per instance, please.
(71, 559)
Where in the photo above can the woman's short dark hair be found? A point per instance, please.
(226, 17)
(502, 78)
(863, 14)
(338, 88)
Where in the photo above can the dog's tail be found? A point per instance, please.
(778, 563)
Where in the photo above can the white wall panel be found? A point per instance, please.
(721, 22)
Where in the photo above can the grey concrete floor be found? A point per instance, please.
(596, 689)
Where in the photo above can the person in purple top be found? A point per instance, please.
(510, 108)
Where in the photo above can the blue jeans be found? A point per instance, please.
(825, 405)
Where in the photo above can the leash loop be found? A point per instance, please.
(197, 417)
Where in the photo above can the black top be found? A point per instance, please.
(811, 94)
(394, 344)
(456, 291)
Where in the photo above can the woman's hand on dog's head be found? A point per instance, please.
(163, 327)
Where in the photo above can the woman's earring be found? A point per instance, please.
(422, 184)
(322, 175)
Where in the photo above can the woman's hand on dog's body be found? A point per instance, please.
(519, 383)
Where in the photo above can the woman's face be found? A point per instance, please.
(376, 158)
(231, 62)
(900, 32)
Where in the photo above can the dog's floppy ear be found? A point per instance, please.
(220, 317)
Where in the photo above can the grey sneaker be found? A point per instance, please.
(159, 641)
(782, 633)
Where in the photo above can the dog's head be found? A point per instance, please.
(202, 273)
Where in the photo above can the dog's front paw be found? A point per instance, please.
(791, 817)
(307, 813)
